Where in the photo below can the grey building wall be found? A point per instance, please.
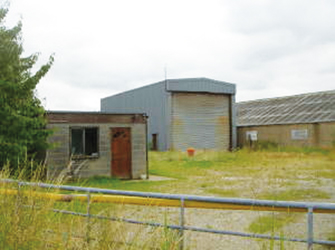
(151, 100)
(156, 101)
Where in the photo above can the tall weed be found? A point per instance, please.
(29, 222)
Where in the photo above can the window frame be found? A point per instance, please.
(251, 135)
(299, 134)
(83, 141)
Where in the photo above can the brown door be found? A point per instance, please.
(121, 153)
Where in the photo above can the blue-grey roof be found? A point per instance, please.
(201, 84)
(305, 108)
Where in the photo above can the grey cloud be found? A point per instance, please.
(303, 24)
(266, 47)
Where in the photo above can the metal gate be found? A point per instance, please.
(183, 202)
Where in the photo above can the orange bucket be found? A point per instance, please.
(190, 151)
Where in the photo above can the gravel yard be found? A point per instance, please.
(288, 176)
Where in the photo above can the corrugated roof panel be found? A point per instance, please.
(306, 108)
(200, 85)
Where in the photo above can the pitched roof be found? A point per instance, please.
(200, 84)
(305, 108)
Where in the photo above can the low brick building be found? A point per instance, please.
(300, 120)
(97, 144)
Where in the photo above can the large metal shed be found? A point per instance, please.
(87, 144)
(299, 120)
(183, 113)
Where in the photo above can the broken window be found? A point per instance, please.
(84, 141)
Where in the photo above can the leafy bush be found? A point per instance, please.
(23, 121)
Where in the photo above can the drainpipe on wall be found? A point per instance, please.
(232, 114)
(146, 145)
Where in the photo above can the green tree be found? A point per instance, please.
(23, 130)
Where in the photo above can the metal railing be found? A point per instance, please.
(183, 202)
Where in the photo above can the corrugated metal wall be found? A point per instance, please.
(200, 120)
(156, 101)
(151, 100)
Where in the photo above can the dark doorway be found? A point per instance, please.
(154, 146)
(121, 153)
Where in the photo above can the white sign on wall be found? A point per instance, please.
(299, 134)
(251, 135)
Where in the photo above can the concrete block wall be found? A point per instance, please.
(319, 134)
(59, 156)
(139, 151)
(327, 134)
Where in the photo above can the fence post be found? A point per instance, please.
(18, 198)
(181, 224)
(88, 227)
(310, 228)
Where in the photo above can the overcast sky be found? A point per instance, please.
(268, 48)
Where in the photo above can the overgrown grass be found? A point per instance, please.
(271, 223)
(29, 222)
(268, 146)
(267, 174)
(245, 173)
(223, 192)
(114, 183)
(331, 236)
(295, 194)
(283, 174)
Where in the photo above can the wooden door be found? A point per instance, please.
(121, 153)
